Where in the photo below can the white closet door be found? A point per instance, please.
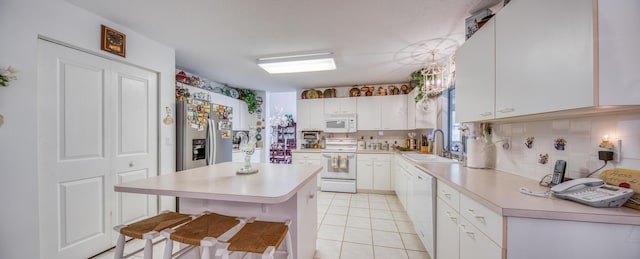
(97, 126)
(134, 135)
(73, 152)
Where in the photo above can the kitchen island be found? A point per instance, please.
(276, 193)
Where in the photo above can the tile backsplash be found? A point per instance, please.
(582, 135)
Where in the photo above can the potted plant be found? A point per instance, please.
(249, 97)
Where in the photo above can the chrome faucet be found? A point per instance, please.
(442, 152)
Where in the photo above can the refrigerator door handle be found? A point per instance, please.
(210, 142)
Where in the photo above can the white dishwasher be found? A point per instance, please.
(424, 213)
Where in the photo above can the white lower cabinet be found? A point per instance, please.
(401, 182)
(476, 245)
(447, 233)
(373, 172)
(301, 158)
(464, 228)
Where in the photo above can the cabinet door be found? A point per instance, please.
(411, 108)
(245, 118)
(348, 105)
(365, 174)
(447, 234)
(368, 113)
(315, 112)
(301, 115)
(544, 57)
(618, 37)
(475, 245)
(332, 105)
(310, 114)
(393, 112)
(381, 176)
(411, 202)
(475, 76)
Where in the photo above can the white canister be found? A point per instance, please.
(478, 153)
(361, 145)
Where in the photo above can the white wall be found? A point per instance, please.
(583, 135)
(21, 22)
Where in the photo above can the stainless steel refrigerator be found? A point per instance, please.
(203, 134)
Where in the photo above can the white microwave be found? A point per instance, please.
(343, 123)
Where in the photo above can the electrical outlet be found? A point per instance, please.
(605, 155)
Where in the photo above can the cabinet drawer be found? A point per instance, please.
(486, 220)
(476, 245)
(297, 155)
(448, 194)
(376, 157)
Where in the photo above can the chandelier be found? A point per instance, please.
(436, 79)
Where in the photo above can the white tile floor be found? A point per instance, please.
(351, 226)
(365, 226)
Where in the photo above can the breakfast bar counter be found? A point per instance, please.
(276, 193)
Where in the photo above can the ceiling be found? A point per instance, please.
(374, 41)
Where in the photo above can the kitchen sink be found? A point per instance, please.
(428, 158)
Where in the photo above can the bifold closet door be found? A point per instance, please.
(96, 127)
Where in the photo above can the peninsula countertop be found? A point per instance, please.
(274, 183)
(499, 191)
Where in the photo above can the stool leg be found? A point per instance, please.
(268, 254)
(119, 247)
(168, 245)
(148, 249)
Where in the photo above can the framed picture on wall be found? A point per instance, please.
(113, 41)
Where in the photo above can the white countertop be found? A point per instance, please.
(274, 183)
(499, 191)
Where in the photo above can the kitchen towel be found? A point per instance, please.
(343, 161)
(334, 160)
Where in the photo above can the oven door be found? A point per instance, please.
(339, 165)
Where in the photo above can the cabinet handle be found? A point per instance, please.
(506, 110)
(454, 219)
(132, 164)
(473, 213)
(445, 193)
(484, 114)
(471, 234)
(420, 177)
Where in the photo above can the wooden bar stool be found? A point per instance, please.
(147, 229)
(259, 237)
(204, 232)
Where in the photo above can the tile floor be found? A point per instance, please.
(350, 226)
(365, 225)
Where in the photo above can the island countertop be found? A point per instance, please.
(274, 183)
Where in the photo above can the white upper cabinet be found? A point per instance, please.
(310, 114)
(340, 105)
(551, 56)
(368, 113)
(619, 54)
(393, 111)
(417, 116)
(544, 57)
(475, 76)
(382, 112)
(244, 117)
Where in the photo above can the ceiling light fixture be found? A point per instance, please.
(298, 63)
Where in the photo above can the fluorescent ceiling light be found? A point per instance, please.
(298, 63)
